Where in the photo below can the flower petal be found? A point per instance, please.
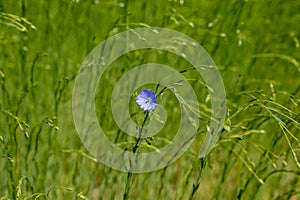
(146, 100)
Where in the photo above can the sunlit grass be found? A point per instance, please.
(255, 45)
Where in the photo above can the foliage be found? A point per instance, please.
(255, 45)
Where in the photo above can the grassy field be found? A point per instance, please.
(255, 45)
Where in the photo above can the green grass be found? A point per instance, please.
(255, 45)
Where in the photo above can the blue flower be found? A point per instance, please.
(146, 100)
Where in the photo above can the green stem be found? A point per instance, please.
(197, 184)
(129, 174)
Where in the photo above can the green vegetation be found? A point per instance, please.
(255, 45)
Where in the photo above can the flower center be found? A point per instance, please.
(149, 100)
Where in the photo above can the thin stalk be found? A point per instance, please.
(197, 182)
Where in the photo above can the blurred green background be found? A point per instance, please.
(255, 45)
